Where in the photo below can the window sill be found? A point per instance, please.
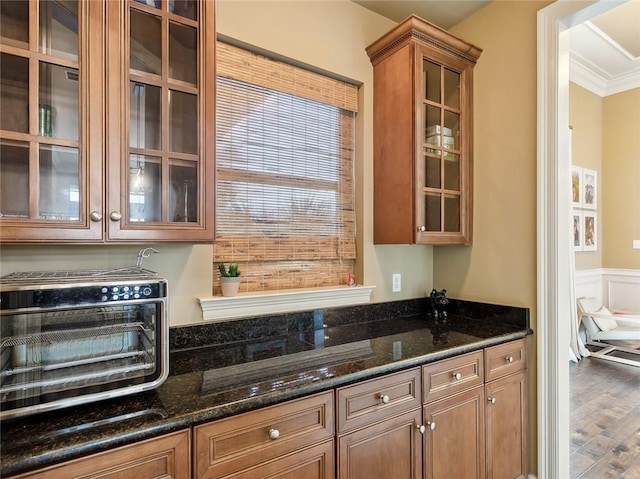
(226, 308)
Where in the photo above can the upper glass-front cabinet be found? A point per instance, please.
(441, 152)
(44, 149)
(139, 169)
(423, 122)
(164, 97)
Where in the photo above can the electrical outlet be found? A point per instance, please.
(636, 244)
(396, 283)
(397, 350)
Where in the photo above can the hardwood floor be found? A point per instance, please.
(605, 420)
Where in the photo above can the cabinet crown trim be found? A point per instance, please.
(416, 28)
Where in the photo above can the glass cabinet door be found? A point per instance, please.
(441, 194)
(164, 119)
(43, 155)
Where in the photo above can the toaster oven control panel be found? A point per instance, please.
(115, 293)
(75, 295)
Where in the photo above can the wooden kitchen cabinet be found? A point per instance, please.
(455, 437)
(389, 448)
(475, 414)
(295, 436)
(454, 409)
(379, 427)
(107, 125)
(423, 135)
(506, 411)
(165, 456)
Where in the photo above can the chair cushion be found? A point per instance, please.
(605, 324)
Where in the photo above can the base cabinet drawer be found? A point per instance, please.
(370, 401)
(449, 376)
(505, 359)
(168, 457)
(231, 445)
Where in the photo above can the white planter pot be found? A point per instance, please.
(230, 285)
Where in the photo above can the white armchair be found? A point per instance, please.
(617, 335)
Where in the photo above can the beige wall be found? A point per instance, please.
(585, 116)
(500, 266)
(188, 269)
(606, 139)
(331, 35)
(620, 185)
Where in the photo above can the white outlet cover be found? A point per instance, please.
(396, 283)
(636, 244)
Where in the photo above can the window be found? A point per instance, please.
(284, 186)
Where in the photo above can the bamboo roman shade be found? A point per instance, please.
(284, 186)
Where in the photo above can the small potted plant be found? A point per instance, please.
(229, 279)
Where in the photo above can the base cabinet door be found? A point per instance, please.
(506, 427)
(391, 448)
(454, 437)
(315, 462)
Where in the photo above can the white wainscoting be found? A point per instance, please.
(613, 288)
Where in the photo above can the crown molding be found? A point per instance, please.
(596, 80)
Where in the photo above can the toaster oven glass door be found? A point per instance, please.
(61, 357)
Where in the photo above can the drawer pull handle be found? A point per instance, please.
(95, 216)
(491, 400)
(421, 428)
(274, 434)
(509, 359)
(115, 216)
(457, 376)
(432, 425)
(385, 399)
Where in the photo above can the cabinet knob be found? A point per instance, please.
(384, 398)
(422, 229)
(421, 428)
(274, 434)
(509, 359)
(115, 216)
(95, 216)
(457, 376)
(491, 400)
(431, 425)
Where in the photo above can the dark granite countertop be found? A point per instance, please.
(224, 369)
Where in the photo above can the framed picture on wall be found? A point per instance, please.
(576, 186)
(578, 228)
(589, 189)
(590, 227)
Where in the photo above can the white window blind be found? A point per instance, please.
(284, 186)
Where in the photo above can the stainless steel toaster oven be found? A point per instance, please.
(70, 337)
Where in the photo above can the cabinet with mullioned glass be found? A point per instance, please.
(106, 126)
(423, 125)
